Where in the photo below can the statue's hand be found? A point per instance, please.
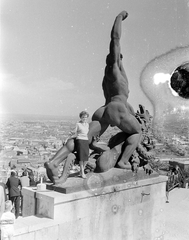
(148, 169)
(124, 15)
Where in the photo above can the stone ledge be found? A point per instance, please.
(100, 180)
(58, 198)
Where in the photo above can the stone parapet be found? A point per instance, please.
(132, 210)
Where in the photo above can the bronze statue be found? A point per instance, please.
(141, 157)
(116, 112)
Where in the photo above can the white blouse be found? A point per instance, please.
(82, 130)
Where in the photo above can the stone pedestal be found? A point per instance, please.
(29, 201)
(128, 209)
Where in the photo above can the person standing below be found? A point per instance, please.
(82, 142)
(7, 222)
(13, 184)
(25, 182)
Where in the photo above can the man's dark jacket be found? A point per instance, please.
(12, 184)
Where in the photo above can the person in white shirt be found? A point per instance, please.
(7, 222)
(25, 182)
(82, 142)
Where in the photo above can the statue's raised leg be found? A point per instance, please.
(53, 166)
(131, 144)
(66, 170)
(108, 158)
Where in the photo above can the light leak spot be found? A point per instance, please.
(161, 78)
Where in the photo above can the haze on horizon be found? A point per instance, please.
(53, 52)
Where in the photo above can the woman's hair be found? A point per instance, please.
(83, 113)
(8, 205)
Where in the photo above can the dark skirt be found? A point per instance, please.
(82, 149)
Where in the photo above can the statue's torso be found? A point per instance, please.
(115, 82)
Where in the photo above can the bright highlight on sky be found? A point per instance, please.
(53, 52)
(163, 78)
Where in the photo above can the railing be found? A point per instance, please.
(176, 178)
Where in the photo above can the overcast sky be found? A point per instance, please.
(53, 51)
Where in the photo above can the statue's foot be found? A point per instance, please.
(83, 175)
(51, 171)
(58, 181)
(123, 165)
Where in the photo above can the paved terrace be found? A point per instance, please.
(177, 215)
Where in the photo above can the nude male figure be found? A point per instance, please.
(116, 111)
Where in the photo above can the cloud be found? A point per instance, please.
(51, 86)
(27, 85)
(25, 94)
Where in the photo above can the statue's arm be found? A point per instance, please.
(115, 48)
